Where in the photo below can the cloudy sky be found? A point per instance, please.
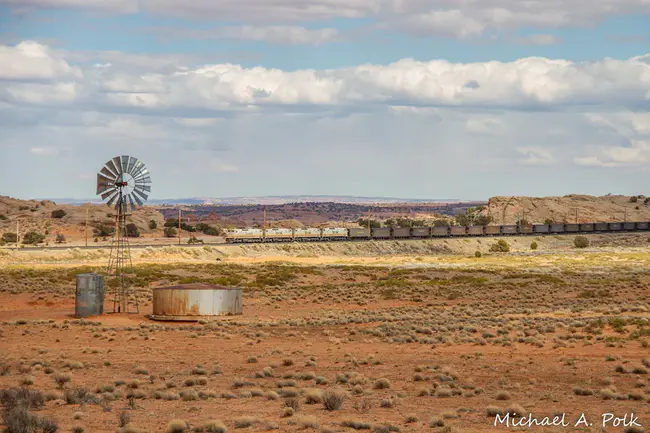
(406, 98)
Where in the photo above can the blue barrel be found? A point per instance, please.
(89, 297)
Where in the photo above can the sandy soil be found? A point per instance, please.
(448, 332)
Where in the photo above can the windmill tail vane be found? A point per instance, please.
(123, 183)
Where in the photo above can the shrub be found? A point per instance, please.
(245, 421)
(548, 221)
(103, 230)
(478, 254)
(170, 232)
(60, 238)
(33, 238)
(10, 238)
(153, 225)
(18, 419)
(581, 242)
(61, 379)
(533, 245)
(177, 426)
(382, 384)
(3, 217)
(333, 399)
(500, 247)
(214, 426)
(194, 240)
(59, 213)
(132, 231)
(171, 223)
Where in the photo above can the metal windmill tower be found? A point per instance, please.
(123, 182)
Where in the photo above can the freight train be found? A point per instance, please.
(384, 233)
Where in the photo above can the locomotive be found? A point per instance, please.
(385, 233)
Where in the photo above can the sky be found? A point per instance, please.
(462, 99)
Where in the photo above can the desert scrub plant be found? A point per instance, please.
(177, 426)
(313, 396)
(581, 242)
(333, 399)
(501, 246)
(533, 245)
(382, 383)
(503, 395)
(214, 426)
(308, 421)
(355, 424)
(61, 379)
(245, 421)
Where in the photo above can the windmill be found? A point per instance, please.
(123, 182)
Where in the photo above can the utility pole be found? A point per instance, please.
(179, 225)
(17, 232)
(86, 228)
(576, 215)
(625, 215)
(264, 225)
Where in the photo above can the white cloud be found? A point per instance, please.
(222, 167)
(33, 61)
(215, 88)
(288, 35)
(484, 126)
(429, 17)
(535, 156)
(43, 151)
(539, 39)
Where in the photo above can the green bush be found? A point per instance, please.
(548, 221)
(500, 247)
(187, 228)
(581, 242)
(60, 238)
(153, 225)
(10, 238)
(132, 231)
(478, 254)
(33, 238)
(171, 223)
(533, 245)
(103, 230)
(59, 213)
(3, 217)
(194, 240)
(170, 232)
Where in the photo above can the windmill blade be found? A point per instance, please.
(138, 169)
(109, 193)
(138, 192)
(136, 198)
(125, 162)
(143, 180)
(108, 174)
(118, 165)
(103, 183)
(144, 172)
(143, 187)
(133, 163)
(129, 164)
(111, 166)
(130, 202)
(110, 202)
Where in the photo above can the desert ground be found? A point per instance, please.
(412, 336)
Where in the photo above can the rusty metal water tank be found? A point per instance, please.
(89, 295)
(192, 302)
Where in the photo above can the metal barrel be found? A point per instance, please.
(89, 296)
